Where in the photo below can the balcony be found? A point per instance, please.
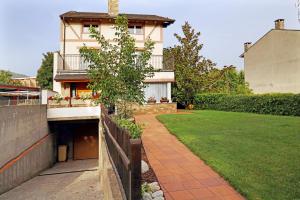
(76, 63)
(73, 113)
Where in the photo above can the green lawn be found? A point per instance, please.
(258, 154)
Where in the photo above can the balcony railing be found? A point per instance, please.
(74, 62)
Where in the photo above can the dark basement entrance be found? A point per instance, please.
(80, 137)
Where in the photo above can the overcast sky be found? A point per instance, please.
(31, 27)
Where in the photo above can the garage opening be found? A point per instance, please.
(79, 137)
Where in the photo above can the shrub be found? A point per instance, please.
(134, 130)
(57, 98)
(275, 104)
(86, 96)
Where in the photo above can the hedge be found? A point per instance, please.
(275, 104)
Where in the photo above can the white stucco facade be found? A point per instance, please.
(76, 38)
(74, 35)
(272, 65)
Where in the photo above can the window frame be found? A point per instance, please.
(86, 31)
(135, 29)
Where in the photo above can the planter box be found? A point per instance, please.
(164, 101)
(55, 104)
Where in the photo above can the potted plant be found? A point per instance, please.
(57, 98)
(164, 100)
(190, 107)
(151, 100)
(67, 98)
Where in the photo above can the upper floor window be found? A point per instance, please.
(87, 26)
(135, 29)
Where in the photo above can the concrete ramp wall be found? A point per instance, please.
(20, 127)
(26, 146)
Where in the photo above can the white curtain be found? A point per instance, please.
(156, 90)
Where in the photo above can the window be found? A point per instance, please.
(87, 26)
(156, 90)
(73, 90)
(135, 29)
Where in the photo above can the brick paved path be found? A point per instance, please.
(182, 175)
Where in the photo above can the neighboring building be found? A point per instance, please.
(70, 71)
(27, 81)
(18, 95)
(272, 64)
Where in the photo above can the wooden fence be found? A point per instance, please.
(125, 154)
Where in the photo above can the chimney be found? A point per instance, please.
(113, 7)
(247, 45)
(279, 24)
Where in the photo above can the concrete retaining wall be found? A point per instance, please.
(25, 143)
(20, 128)
(157, 108)
(108, 177)
(27, 165)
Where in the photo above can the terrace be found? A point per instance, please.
(76, 63)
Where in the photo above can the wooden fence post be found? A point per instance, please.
(135, 160)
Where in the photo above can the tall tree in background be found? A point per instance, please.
(191, 68)
(45, 72)
(226, 80)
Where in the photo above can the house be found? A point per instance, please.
(26, 81)
(70, 71)
(75, 120)
(272, 64)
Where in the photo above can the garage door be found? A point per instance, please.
(86, 146)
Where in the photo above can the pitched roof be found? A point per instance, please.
(243, 54)
(73, 15)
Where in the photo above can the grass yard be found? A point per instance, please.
(258, 154)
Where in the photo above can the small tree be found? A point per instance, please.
(6, 78)
(190, 67)
(45, 72)
(116, 70)
(226, 80)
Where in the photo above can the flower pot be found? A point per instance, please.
(190, 107)
(164, 101)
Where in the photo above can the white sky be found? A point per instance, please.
(29, 28)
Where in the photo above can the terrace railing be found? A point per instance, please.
(19, 102)
(125, 154)
(75, 62)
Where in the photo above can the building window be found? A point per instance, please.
(73, 90)
(135, 29)
(156, 90)
(87, 26)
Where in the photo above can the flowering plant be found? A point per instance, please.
(58, 98)
(151, 100)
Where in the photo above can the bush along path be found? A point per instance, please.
(181, 174)
(274, 104)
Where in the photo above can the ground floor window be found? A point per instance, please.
(78, 89)
(156, 90)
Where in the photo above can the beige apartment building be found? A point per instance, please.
(272, 64)
(70, 71)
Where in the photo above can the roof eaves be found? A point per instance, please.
(243, 54)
